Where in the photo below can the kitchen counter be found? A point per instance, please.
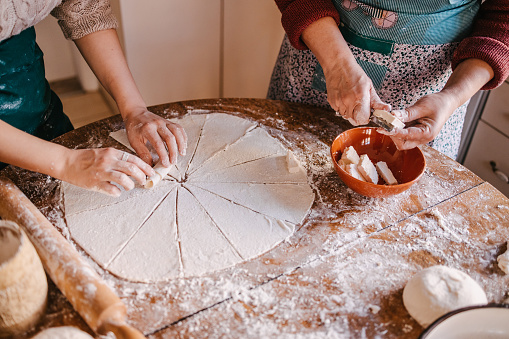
(342, 272)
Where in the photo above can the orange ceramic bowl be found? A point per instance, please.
(407, 166)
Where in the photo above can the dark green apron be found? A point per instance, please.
(26, 100)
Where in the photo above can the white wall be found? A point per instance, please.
(57, 50)
(185, 49)
(253, 35)
(172, 48)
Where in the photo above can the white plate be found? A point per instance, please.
(488, 322)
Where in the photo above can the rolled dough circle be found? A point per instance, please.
(234, 196)
(438, 290)
(63, 332)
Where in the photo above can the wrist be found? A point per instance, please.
(61, 162)
(129, 112)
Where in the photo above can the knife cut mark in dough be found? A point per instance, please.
(230, 199)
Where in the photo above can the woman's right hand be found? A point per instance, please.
(351, 93)
(102, 169)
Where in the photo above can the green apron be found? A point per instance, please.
(26, 100)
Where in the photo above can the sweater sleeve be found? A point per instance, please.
(489, 41)
(78, 18)
(297, 15)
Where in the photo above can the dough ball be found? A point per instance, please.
(63, 332)
(438, 290)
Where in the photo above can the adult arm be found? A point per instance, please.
(489, 41)
(90, 23)
(429, 114)
(350, 92)
(481, 61)
(314, 25)
(94, 169)
(103, 53)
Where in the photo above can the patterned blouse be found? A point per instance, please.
(77, 18)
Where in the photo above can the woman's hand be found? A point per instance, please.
(167, 138)
(424, 120)
(100, 169)
(351, 93)
(103, 53)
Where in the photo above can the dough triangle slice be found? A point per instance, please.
(273, 169)
(204, 248)
(219, 131)
(103, 232)
(251, 233)
(77, 199)
(289, 202)
(193, 125)
(152, 254)
(256, 144)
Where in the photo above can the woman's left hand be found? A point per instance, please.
(168, 139)
(424, 120)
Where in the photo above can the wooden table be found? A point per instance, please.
(340, 275)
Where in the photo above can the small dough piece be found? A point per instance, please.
(387, 121)
(503, 260)
(350, 156)
(63, 332)
(354, 172)
(161, 172)
(292, 162)
(386, 173)
(438, 290)
(367, 169)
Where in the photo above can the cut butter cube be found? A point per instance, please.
(367, 169)
(386, 173)
(292, 163)
(388, 121)
(342, 164)
(350, 156)
(353, 171)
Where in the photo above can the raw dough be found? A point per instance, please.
(438, 290)
(63, 332)
(229, 199)
(503, 260)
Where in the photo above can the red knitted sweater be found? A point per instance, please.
(489, 40)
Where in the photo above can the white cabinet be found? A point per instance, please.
(490, 144)
(173, 48)
(252, 39)
(193, 49)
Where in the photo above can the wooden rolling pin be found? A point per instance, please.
(97, 304)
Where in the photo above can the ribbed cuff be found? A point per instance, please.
(302, 13)
(78, 26)
(492, 51)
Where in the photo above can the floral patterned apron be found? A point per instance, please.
(404, 46)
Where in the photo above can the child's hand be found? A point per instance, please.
(99, 169)
(166, 137)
